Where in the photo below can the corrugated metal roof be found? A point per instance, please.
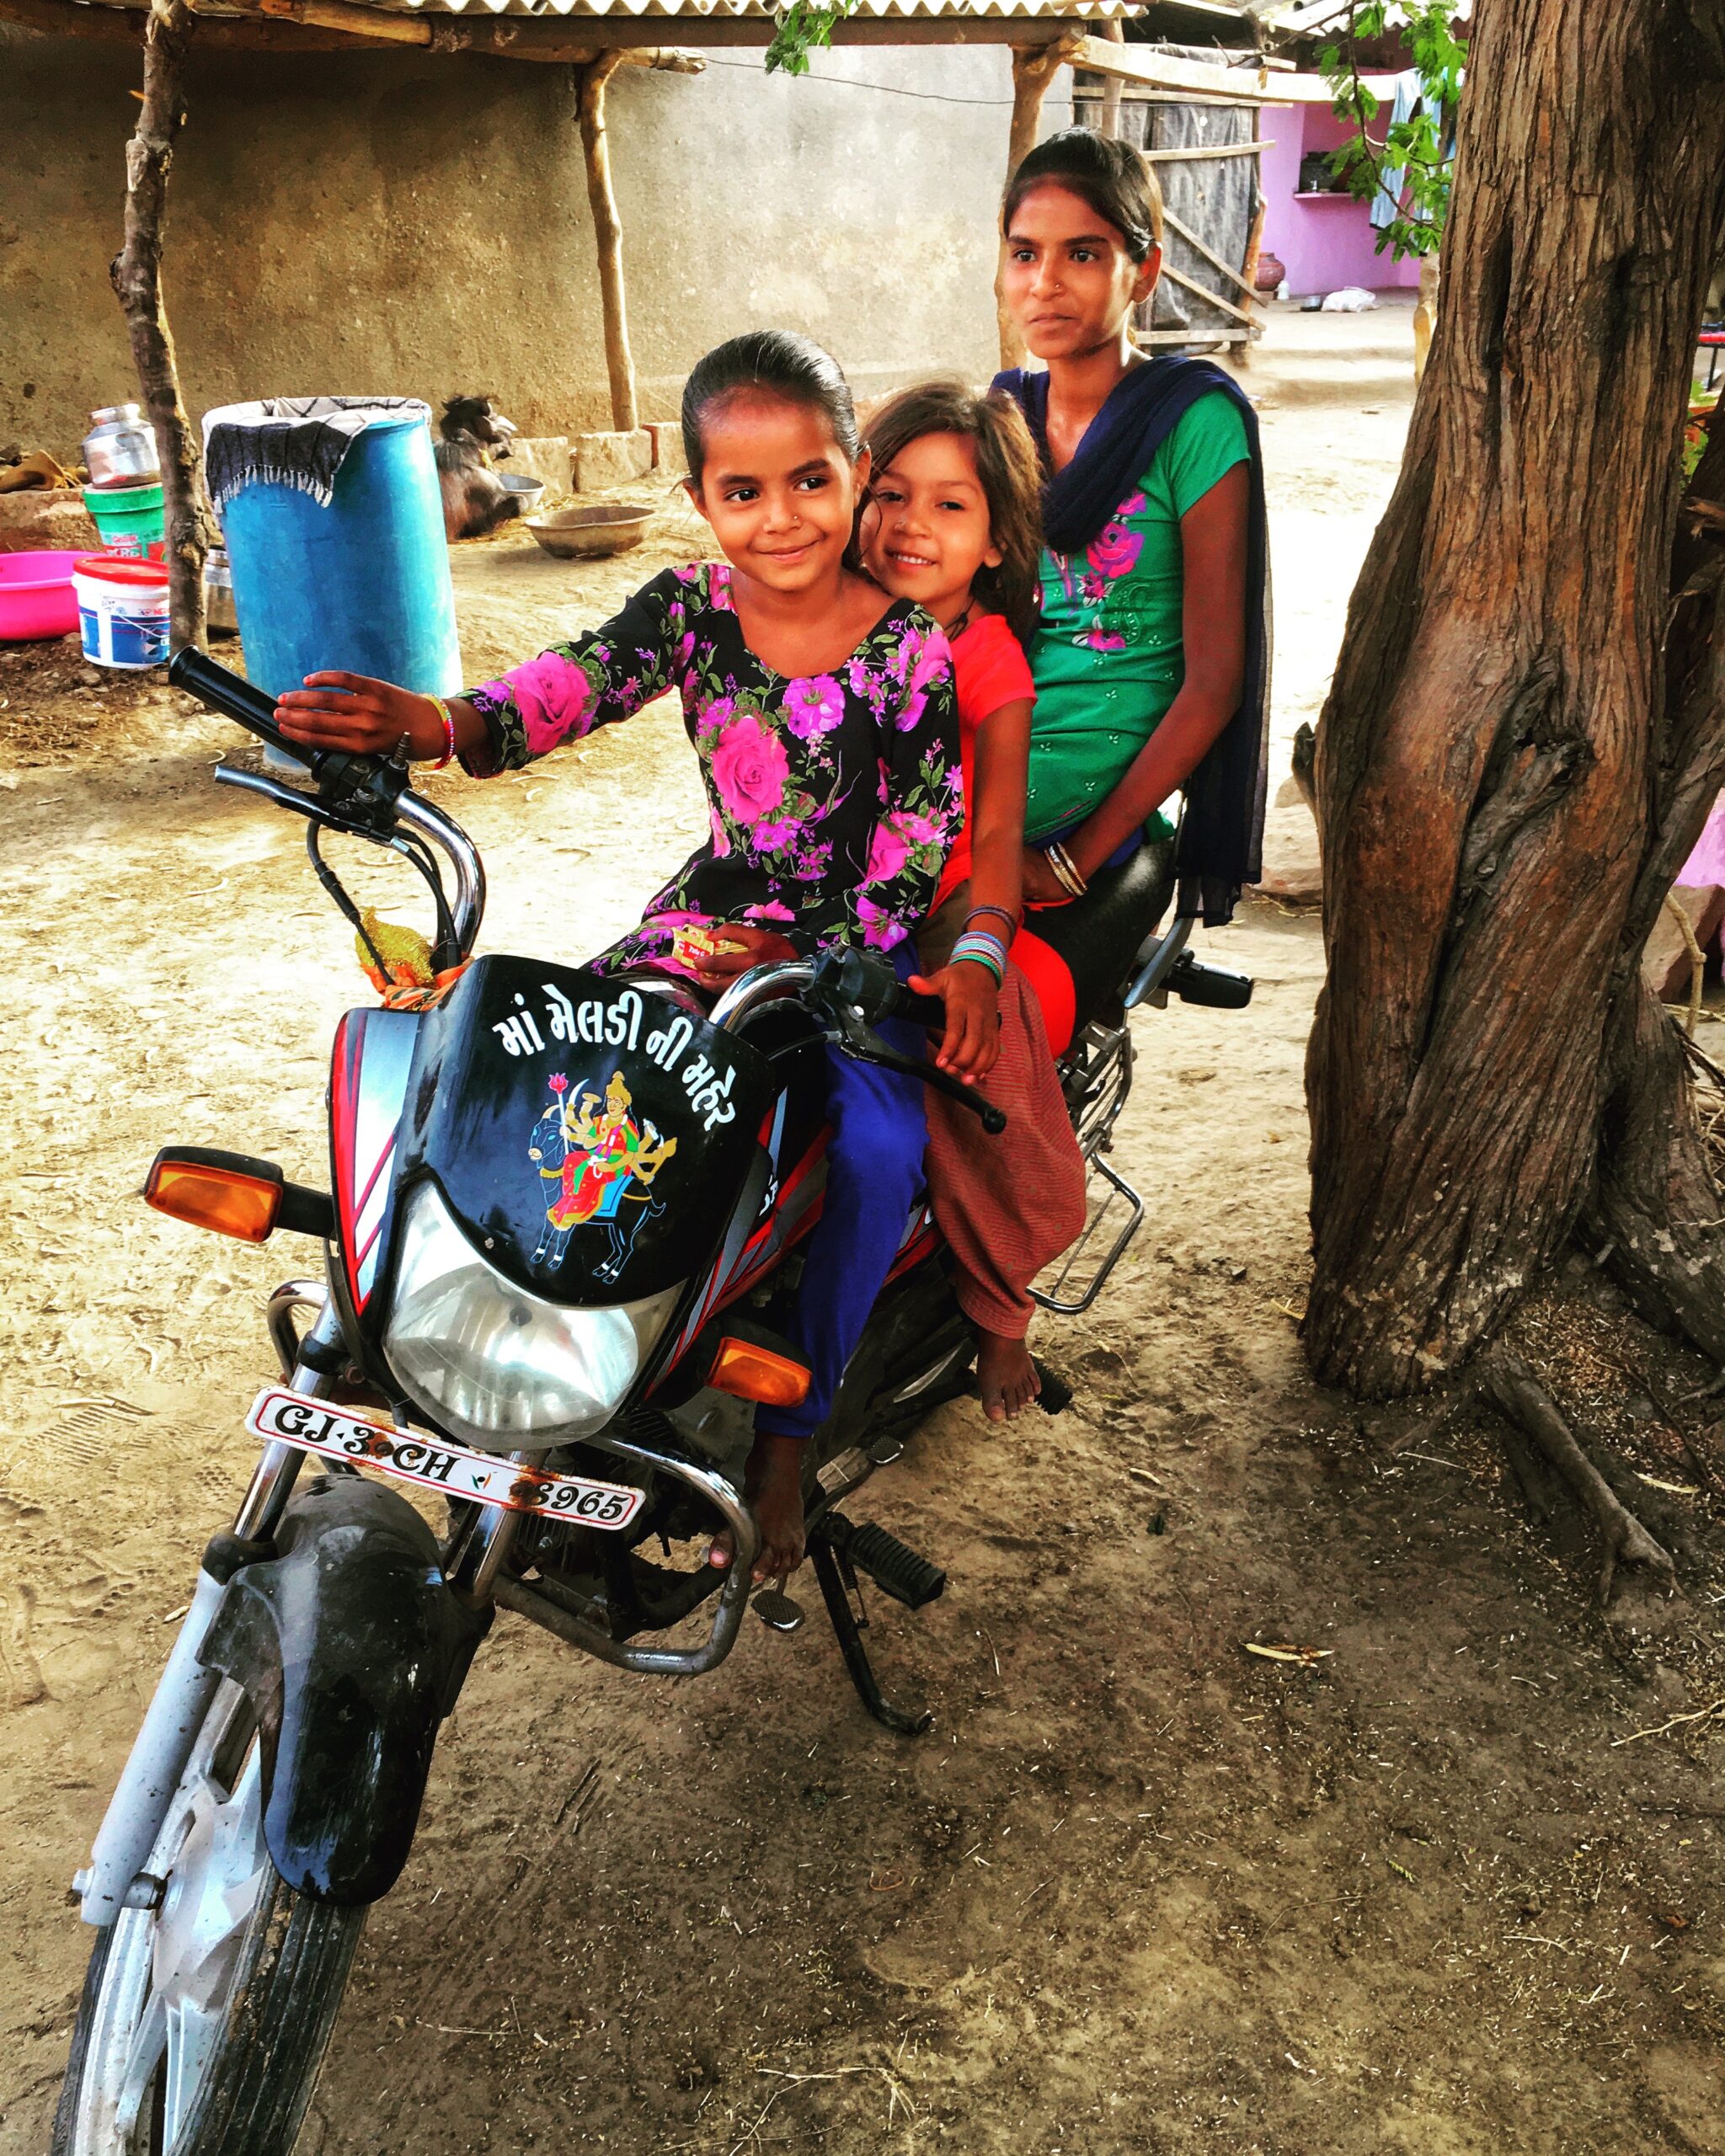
(1076, 11)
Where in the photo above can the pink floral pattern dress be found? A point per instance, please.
(833, 797)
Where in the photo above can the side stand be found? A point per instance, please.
(838, 1581)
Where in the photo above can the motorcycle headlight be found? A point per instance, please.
(498, 1367)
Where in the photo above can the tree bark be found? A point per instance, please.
(1511, 766)
(608, 235)
(136, 277)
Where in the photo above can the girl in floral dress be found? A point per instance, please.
(823, 716)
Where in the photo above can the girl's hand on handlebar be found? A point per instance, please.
(971, 1045)
(760, 947)
(353, 713)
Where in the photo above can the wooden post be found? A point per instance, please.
(1109, 117)
(1242, 354)
(136, 277)
(1033, 68)
(1425, 314)
(608, 236)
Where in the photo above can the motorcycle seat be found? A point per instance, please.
(1098, 936)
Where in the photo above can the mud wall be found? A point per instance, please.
(419, 226)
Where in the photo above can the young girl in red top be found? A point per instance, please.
(952, 523)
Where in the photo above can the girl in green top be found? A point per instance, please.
(1152, 584)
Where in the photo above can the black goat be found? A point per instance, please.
(475, 500)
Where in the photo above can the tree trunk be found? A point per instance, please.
(608, 233)
(1511, 766)
(137, 276)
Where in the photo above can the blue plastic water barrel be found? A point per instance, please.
(361, 582)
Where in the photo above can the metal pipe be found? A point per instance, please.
(447, 836)
(732, 1509)
(526, 1601)
(153, 1766)
(1159, 963)
(278, 1314)
(163, 1744)
(760, 984)
(491, 1538)
(278, 1465)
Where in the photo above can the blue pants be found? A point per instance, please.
(873, 1173)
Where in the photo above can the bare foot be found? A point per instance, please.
(773, 1483)
(1006, 1376)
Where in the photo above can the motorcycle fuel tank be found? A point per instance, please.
(589, 1137)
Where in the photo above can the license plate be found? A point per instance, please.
(291, 1418)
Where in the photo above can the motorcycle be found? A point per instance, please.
(563, 1222)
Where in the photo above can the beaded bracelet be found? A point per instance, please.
(986, 937)
(982, 949)
(999, 912)
(443, 713)
(991, 965)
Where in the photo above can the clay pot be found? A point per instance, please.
(1269, 274)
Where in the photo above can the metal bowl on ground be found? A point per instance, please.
(587, 534)
(527, 491)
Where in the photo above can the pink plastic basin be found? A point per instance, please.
(37, 597)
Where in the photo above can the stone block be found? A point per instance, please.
(612, 460)
(1665, 962)
(1291, 870)
(35, 517)
(668, 447)
(542, 456)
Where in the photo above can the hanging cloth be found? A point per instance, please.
(1386, 203)
(289, 441)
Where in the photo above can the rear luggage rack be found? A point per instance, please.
(1096, 1074)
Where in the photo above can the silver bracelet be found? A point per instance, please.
(1066, 869)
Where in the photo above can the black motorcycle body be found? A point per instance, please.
(561, 1238)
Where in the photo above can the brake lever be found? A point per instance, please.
(848, 1031)
(314, 807)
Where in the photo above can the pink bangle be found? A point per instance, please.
(442, 710)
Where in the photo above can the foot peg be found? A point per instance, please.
(776, 1611)
(895, 1569)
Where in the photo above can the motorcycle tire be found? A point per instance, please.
(255, 2004)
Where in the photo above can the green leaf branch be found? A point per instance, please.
(1415, 146)
(804, 26)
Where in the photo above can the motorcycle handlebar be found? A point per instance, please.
(361, 794)
(468, 909)
(220, 689)
(855, 992)
(925, 1010)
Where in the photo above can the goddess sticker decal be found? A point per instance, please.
(591, 1157)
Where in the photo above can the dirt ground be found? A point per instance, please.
(1451, 1888)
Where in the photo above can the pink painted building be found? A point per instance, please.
(1325, 240)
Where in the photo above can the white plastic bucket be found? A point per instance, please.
(122, 609)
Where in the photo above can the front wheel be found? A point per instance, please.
(204, 2018)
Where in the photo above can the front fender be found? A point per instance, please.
(352, 1649)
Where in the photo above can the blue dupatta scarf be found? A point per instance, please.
(1221, 834)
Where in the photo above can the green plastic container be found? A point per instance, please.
(129, 518)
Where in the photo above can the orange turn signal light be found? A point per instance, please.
(229, 1200)
(752, 1371)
